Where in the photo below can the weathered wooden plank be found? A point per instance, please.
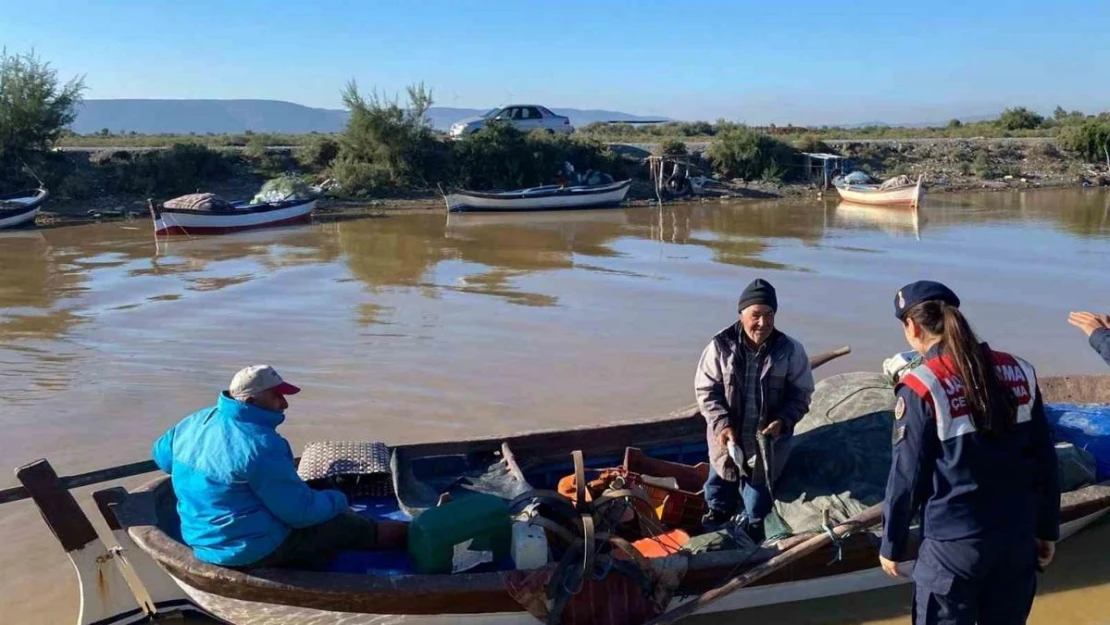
(85, 479)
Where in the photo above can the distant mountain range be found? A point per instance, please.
(273, 116)
(969, 119)
(276, 116)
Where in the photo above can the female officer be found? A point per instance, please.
(972, 452)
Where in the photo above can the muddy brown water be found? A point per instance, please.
(419, 327)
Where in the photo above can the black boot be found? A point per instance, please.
(755, 531)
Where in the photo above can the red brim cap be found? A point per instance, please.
(286, 388)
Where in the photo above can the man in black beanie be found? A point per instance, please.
(753, 384)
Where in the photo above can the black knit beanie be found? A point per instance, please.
(758, 292)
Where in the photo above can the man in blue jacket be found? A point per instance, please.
(1097, 329)
(239, 497)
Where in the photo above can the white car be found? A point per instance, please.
(523, 117)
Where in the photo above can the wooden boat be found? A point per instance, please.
(549, 197)
(205, 214)
(888, 192)
(21, 207)
(144, 523)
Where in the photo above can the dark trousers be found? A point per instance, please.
(312, 547)
(722, 495)
(976, 581)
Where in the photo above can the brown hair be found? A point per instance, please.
(992, 404)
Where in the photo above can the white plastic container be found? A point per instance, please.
(529, 547)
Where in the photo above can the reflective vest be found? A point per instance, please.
(938, 382)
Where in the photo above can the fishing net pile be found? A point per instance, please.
(843, 469)
(282, 189)
(858, 177)
(198, 202)
(897, 182)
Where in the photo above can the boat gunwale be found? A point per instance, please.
(38, 197)
(555, 191)
(470, 593)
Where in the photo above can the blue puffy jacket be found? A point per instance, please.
(238, 492)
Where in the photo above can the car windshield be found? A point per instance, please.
(489, 113)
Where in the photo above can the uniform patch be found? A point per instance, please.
(899, 434)
(900, 408)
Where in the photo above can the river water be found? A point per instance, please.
(422, 327)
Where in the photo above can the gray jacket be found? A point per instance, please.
(787, 387)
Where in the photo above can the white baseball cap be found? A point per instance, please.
(254, 379)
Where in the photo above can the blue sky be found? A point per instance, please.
(787, 62)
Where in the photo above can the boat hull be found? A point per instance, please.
(540, 199)
(174, 222)
(873, 578)
(871, 194)
(17, 216)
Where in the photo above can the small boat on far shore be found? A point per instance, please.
(901, 190)
(548, 197)
(200, 214)
(282, 201)
(21, 207)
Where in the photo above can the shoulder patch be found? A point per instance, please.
(900, 408)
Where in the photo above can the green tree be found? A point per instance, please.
(673, 147)
(385, 145)
(1020, 118)
(35, 108)
(741, 152)
(1091, 139)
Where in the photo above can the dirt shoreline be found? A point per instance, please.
(948, 165)
(66, 213)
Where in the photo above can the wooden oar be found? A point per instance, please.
(858, 522)
(17, 493)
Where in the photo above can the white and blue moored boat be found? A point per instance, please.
(549, 197)
(21, 207)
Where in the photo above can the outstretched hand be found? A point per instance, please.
(1089, 322)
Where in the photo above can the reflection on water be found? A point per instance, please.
(897, 220)
(46, 272)
(429, 326)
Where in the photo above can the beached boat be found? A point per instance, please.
(900, 190)
(145, 522)
(206, 213)
(21, 207)
(549, 197)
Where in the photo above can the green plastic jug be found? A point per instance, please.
(460, 534)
